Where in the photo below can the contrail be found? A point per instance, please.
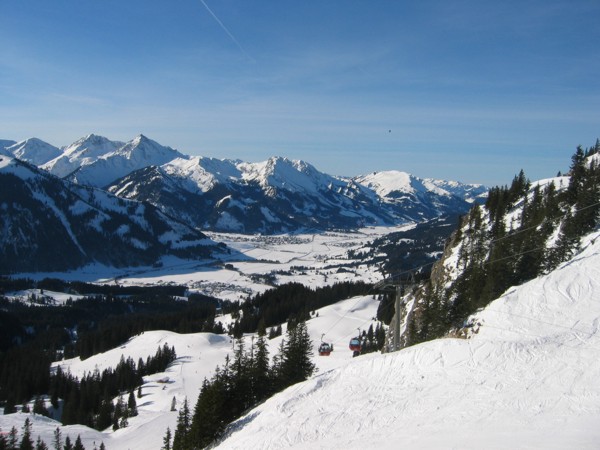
(227, 31)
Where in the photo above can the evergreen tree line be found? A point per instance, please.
(292, 301)
(34, 336)
(31, 337)
(11, 441)
(242, 383)
(545, 230)
(372, 340)
(89, 401)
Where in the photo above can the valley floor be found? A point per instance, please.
(311, 259)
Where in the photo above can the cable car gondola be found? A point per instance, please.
(325, 349)
(355, 346)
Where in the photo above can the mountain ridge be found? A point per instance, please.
(53, 224)
(278, 195)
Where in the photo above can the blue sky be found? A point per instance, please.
(466, 90)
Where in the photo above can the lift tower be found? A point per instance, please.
(399, 286)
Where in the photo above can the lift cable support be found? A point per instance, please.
(400, 286)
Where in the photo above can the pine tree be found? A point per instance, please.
(132, 405)
(240, 389)
(296, 361)
(26, 441)
(68, 445)
(105, 414)
(167, 440)
(120, 413)
(39, 407)
(3, 441)
(40, 445)
(9, 407)
(577, 172)
(260, 374)
(181, 438)
(13, 437)
(210, 413)
(78, 444)
(57, 439)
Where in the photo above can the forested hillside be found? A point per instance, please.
(523, 230)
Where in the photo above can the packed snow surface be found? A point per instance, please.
(526, 378)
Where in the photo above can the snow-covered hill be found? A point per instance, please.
(198, 356)
(527, 377)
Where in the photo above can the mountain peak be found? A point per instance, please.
(113, 164)
(34, 151)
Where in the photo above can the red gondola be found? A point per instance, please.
(325, 349)
(355, 344)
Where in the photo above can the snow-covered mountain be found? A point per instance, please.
(519, 371)
(83, 152)
(278, 195)
(283, 195)
(100, 169)
(34, 151)
(273, 196)
(52, 224)
(422, 197)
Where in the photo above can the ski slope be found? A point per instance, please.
(198, 356)
(528, 377)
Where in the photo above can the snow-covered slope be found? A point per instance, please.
(198, 356)
(34, 151)
(4, 143)
(48, 223)
(526, 378)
